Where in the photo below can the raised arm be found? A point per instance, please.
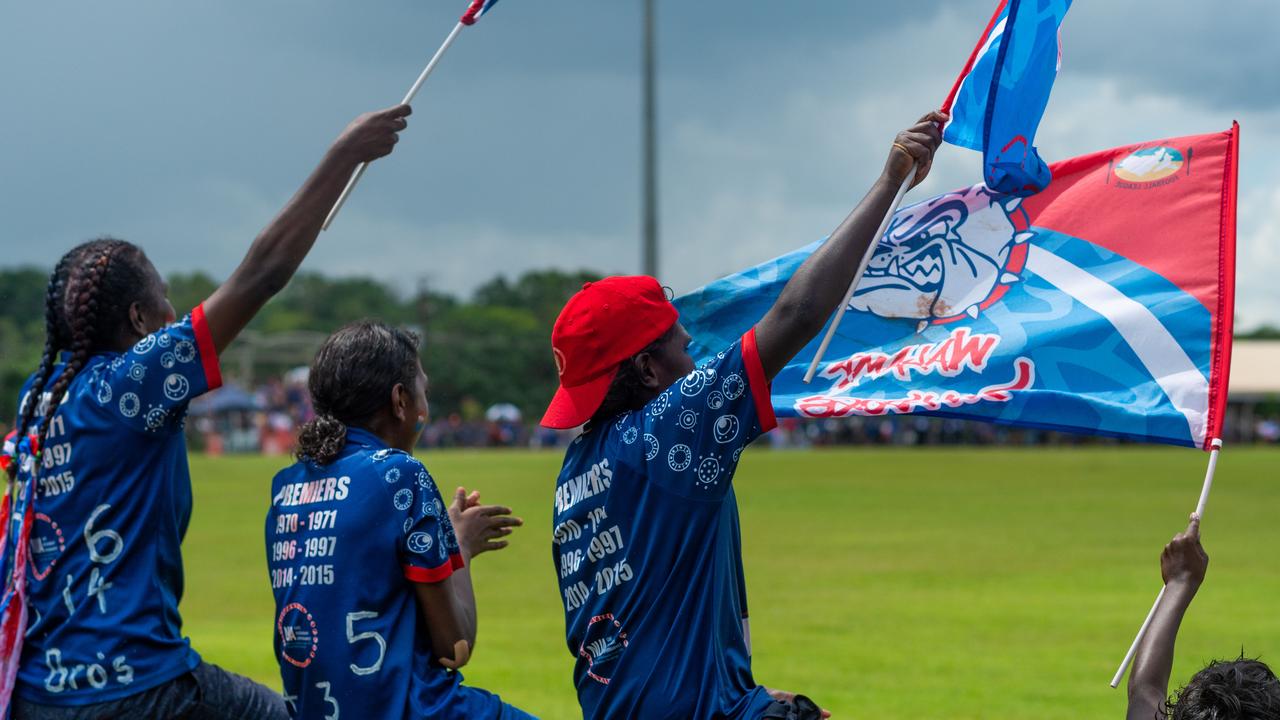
(278, 251)
(819, 285)
(1182, 564)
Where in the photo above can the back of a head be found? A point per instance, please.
(1240, 689)
(351, 381)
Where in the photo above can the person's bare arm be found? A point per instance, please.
(819, 285)
(449, 606)
(278, 251)
(1182, 564)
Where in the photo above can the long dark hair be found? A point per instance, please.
(351, 381)
(86, 306)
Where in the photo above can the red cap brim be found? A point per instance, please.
(574, 406)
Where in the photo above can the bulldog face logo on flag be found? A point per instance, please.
(946, 258)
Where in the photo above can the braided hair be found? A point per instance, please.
(54, 343)
(350, 382)
(87, 306)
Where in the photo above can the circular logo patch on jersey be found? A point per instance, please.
(137, 372)
(629, 435)
(156, 418)
(419, 542)
(145, 344)
(129, 405)
(424, 479)
(733, 386)
(726, 428)
(601, 647)
(715, 400)
(47, 544)
(184, 351)
(679, 457)
(168, 360)
(403, 499)
(392, 476)
(688, 419)
(164, 341)
(298, 635)
(176, 387)
(650, 446)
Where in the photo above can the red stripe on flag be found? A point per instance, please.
(1220, 369)
(973, 57)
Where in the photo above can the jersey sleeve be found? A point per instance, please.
(695, 431)
(425, 542)
(149, 387)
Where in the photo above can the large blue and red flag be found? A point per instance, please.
(998, 99)
(1102, 305)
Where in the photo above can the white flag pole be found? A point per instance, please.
(1216, 446)
(408, 98)
(862, 268)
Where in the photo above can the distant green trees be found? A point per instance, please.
(494, 347)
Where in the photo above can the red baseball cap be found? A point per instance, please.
(603, 324)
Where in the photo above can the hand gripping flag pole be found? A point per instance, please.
(862, 268)
(473, 13)
(1216, 444)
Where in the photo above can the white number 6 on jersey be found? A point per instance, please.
(353, 637)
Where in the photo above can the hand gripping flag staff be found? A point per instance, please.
(477, 10)
(995, 105)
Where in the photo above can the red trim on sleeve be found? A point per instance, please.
(208, 353)
(457, 562)
(428, 575)
(759, 386)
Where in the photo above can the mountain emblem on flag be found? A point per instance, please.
(1150, 164)
(947, 259)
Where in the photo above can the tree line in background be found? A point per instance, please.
(494, 347)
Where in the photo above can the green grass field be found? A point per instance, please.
(976, 583)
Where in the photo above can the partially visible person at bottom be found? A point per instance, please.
(1240, 689)
(101, 454)
(375, 611)
(646, 540)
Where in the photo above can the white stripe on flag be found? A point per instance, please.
(1150, 340)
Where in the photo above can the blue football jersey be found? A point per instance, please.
(112, 502)
(345, 542)
(648, 551)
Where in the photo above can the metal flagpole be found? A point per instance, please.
(649, 220)
(862, 268)
(1216, 445)
(408, 98)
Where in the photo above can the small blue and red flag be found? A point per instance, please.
(998, 99)
(476, 11)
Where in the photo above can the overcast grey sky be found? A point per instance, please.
(184, 126)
